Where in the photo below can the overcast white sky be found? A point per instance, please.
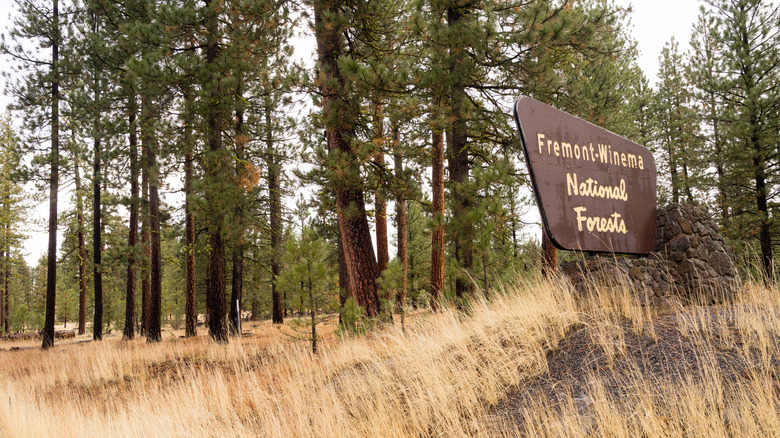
(654, 22)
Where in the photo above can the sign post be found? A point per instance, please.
(596, 190)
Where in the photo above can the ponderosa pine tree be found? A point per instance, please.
(273, 164)
(258, 54)
(215, 162)
(190, 313)
(401, 188)
(480, 59)
(307, 277)
(340, 112)
(39, 22)
(703, 68)
(380, 201)
(132, 239)
(82, 247)
(749, 39)
(143, 60)
(437, 211)
(51, 274)
(97, 177)
(11, 214)
(676, 121)
(242, 178)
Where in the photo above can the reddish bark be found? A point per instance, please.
(459, 166)
(4, 264)
(237, 277)
(344, 291)
(153, 333)
(340, 111)
(190, 323)
(82, 325)
(97, 229)
(145, 244)
(549, 257)
(7, 296)
(437, 206)
(275, 195)
(215, 170)
(132, 238)
(400, 213)
(54, 183)
(380, 203)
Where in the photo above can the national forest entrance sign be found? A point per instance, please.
(596, 191)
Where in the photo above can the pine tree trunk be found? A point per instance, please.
(132, 237)
(275, 194)
(750, 76)
(759, 175)
(684, 147)
(719, 160)
(190, 314)
(51, 274)
(3, 316)
(97, 249)
(513, 220)
(313, 314)
(236, 291)
(549, 257)
(344, 290)
(382, 247)
(145, 237)
(340, 110)
(687, 184)
(400, 212)
(673, 170)
(7, 296)
(437, 236)
(153, 332)
(459, 158)
(82, 248)
(461, 229)
(215, 295)
(97, 274)
(237, 277)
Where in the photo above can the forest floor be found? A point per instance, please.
(255, 332)
(532, 360)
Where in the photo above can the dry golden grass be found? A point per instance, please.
(448, 375)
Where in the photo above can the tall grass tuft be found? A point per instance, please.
(448, 374)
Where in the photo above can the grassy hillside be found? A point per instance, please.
(532, 359)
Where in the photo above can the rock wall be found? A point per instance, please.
(690, 260)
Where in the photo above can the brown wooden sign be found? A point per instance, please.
(596, 190)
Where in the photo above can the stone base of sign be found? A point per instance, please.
(690, 261)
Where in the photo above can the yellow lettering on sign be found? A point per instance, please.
(591, 188)
(612, 224)
(566, 149)
(601, 153)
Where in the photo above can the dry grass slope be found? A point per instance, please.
(451, 374)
